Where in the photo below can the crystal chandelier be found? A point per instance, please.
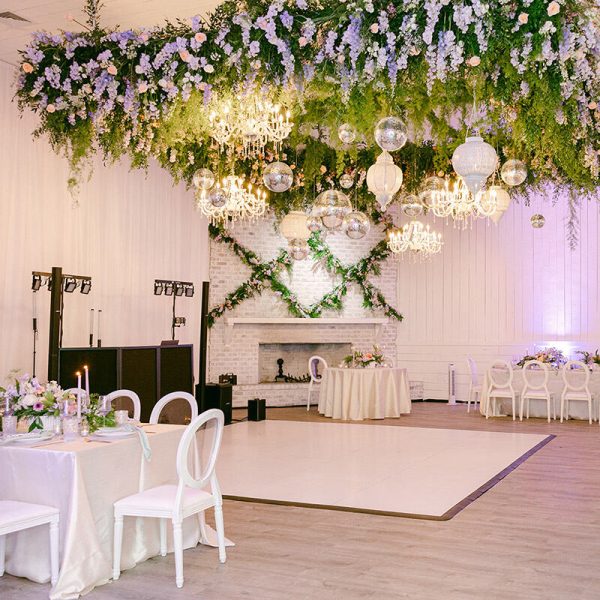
(231, 199)
(251, 122)
(456, 201)
(415, 238)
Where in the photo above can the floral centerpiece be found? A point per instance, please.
(27, 398)
(588, 358)
(550, 356)
(99, 415)
(364, 360)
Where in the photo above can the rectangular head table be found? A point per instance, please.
(83, 480)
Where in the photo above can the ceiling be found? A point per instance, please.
(51, 15)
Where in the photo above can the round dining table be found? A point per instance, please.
(364, 393)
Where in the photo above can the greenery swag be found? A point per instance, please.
(531, 64)
(267, 275)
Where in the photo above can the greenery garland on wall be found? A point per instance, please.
(267, 275)
(532, 64)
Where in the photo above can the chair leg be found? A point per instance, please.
(117, 546)
(562, 408)
(521, 409)
(469, 399)
(548, 407)
(2, 553)
(220, 531)
(54, 552)
(590, 410)
(308, 399)
(178, 544)
(163, 537)
(514, 408)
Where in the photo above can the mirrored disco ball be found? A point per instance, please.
(429, 188)
(346, 181)
(356, 225)
(204, 179)
(298, 249)
(411, 206)
(314, 224)
(278, 177)
(218, 197)
(538, 221)
(332, 206)
(513, 172)
(346, 133)
(391, 134)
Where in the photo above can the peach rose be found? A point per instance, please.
(474, 61)
(112, 70)
(302, 41)
(209, 68)
(374, 28)
(200, 37)
(27, 67)
(50, 108)
(142, 87)
(553, 8)
(184, 55)
(592, 105)
(523, 18)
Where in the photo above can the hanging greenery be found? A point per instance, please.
(268, 275)
(531, 64)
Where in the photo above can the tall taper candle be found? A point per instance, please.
(87, 380)
(78, 394)
(99, 334)
(91, 327)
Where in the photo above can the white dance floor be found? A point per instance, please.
(405, 471)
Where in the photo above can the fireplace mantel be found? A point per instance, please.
(231, 322)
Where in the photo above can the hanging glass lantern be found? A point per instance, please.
(298, 249)
(293, 226)
(513, 172)
(346, 181)
(538, 221)
(331, 206)
(474, 161)
(314, 224)
(430, 189)
(411, 206)
(346, 133)
(356, 225)
(384, 179)
(278, 177)
(391, 134)
(204, 179)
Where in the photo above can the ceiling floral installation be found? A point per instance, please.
(523, 74)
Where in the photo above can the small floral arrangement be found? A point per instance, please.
(364, 360)
(95, 415)
(26, 397)
(588, 358)
(549, 356)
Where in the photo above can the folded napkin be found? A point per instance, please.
(146, 450)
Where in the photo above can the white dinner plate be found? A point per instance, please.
(114, 432)
(31, 437)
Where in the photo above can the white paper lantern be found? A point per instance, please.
(346, 133)
(294, 227)
(502, 201)
(204, 179)
(278, 177)
(298, 249)
(474, 161)
(513, 172)
(391, 134)
(384, 179)
(356, 225)
(331, 206)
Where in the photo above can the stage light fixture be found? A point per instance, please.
(168, 288)
(178, 321)
(86, 286)
(158, 288)
(178, 288)
(70, 284)
(189, 290)
(36, 282)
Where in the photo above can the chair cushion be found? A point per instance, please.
(15, 516)
(162, 499)
(498, 392)
(538, 394)
(577, 396)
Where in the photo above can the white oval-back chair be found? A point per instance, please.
(135, 399)
(535, 375)
(475, 387)
(500, 377)
(160, 405)
(177, 502)
(315, 376)
(576, 377)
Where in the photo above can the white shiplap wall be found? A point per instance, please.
(498, 290)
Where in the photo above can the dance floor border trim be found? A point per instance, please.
(449, 514)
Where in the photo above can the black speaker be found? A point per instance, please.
(257, 409)
(218, 395)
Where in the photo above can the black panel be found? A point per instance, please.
(102, 364)
(176, 370)
(218, 395)
(139, 373)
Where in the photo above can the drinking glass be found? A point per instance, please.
(121, 417)
(9, 425)
(70, 428)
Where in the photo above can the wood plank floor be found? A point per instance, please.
(535, 535)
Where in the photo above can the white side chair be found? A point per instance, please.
(315, 377)
(475, 387)
(16, 516)
(137, 405)
(159, 406)
(500, 376)
(576, 377)
(176, 502)
(535, 374)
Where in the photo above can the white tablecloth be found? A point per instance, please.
(357, 394)
(83, 480)
(537, 408)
